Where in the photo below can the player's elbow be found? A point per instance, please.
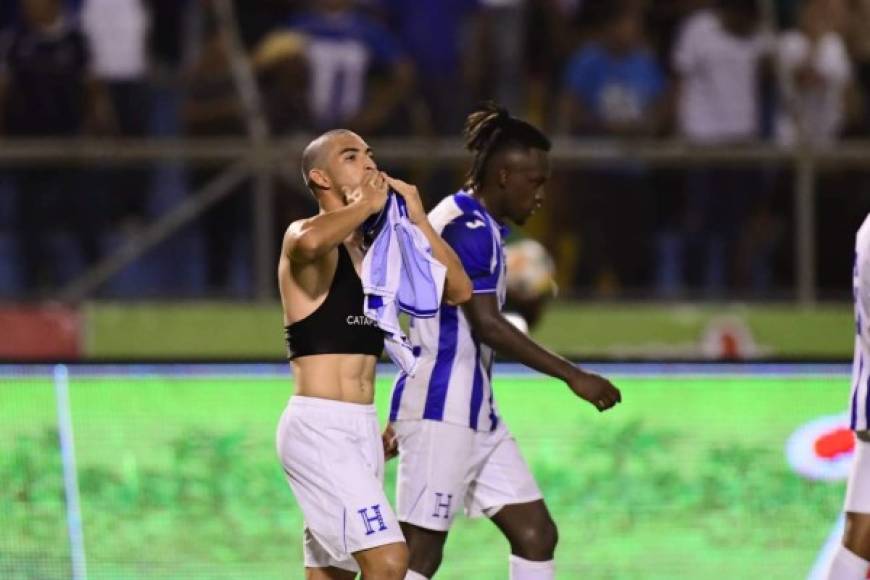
(306, 248)
(459, 291)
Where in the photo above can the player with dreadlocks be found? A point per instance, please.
(454, 449)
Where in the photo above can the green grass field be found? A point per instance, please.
(654, 331)
(179, 479)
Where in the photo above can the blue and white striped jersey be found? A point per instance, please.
(454, 371)
(859, 408)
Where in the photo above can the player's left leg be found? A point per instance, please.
(506, 492)
(852, 559)
(532, 535)
(435, 459)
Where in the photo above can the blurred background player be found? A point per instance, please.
(454, 449)
(328, 437)
(852, 560)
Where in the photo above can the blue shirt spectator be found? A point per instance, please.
(613, 85)
(344, 46)
(615, 89)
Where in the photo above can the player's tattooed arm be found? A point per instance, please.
(493, 329)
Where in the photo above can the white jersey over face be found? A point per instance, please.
(860, 396)
(454, 371)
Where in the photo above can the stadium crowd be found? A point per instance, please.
(710, 72)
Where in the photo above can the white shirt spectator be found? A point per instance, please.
(719, 100)
(815, 112)
(117, 32)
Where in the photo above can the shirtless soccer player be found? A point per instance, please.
(852, 559)
(328, 438)
(454, 449)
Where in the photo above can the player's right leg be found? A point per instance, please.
(852, 559)
(425, 550)
(333, 457)
(434, 471)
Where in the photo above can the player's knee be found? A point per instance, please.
(857, 536)
(390, 563)
(426, 548)
(536, 541)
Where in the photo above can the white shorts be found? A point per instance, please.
(858, 489)
(333, 457)
(443, 467)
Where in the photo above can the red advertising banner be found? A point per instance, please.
(39, 333)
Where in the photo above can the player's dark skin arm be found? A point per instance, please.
(493, 329)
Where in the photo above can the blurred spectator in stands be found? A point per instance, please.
(281, 67)
(212, 108)
(47, 91)
(613, 84)
(117, 33)
(550, 38)
(359, 77)
(613, 87)
(718, 59)
(443, 39)
(814, 75)
(857, 29)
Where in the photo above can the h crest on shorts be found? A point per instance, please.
(441, 505)
(368, 519)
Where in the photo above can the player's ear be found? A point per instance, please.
(503, 174)
(319, 178)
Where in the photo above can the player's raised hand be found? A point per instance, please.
(595, 389)
(372, 191)
(390, 441)
(416, 213)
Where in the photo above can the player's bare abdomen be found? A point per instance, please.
(338, 377)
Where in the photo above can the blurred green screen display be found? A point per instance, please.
(179, 478)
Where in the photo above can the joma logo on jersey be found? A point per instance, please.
(372, 516)
(475, 224)
(360, 320)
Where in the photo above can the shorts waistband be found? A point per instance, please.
(332, 406)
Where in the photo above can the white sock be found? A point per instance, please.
(847, 565)
(528, 570)
(411, 575)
